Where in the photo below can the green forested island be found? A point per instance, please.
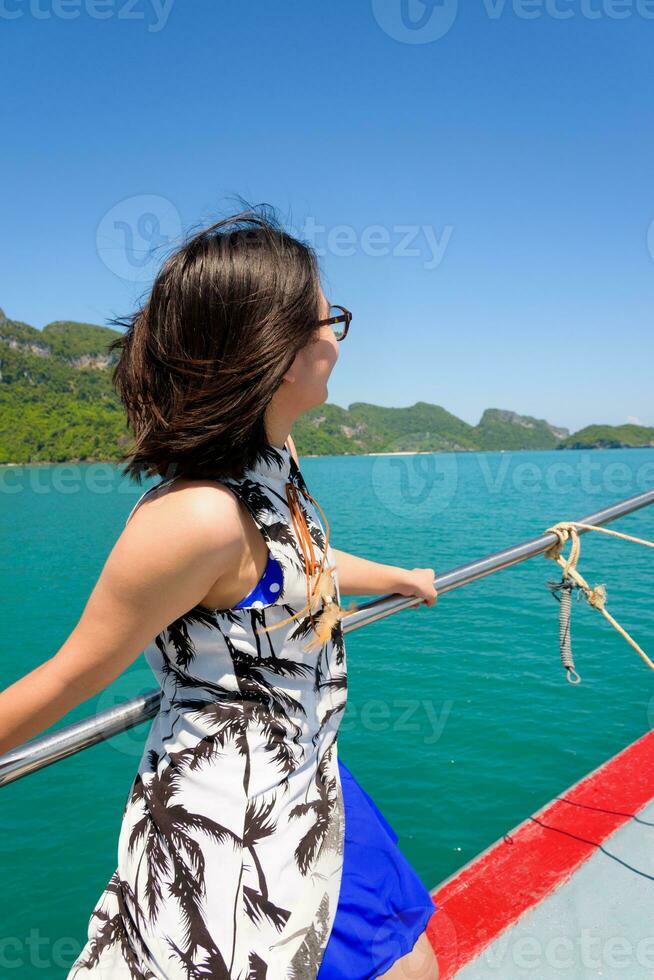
(57, 404)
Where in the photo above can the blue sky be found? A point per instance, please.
(477, 180)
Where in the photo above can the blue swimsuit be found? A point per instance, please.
(383, 905)
(266, 589)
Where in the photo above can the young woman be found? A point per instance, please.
(247, 850)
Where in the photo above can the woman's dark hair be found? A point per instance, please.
(202, 357)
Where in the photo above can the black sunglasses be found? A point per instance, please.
(344, 317)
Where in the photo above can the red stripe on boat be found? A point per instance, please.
(491, 892)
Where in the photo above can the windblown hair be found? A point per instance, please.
(202, 357)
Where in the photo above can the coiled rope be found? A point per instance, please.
(572, 579)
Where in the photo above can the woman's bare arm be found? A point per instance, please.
(166, 559)
(361, 576)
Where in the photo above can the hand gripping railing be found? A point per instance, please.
(46, 749)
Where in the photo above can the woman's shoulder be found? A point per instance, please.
(199, 506)
(181, 539)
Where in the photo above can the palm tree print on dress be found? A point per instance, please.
(230, 851)
(172, 852)
(112, 929)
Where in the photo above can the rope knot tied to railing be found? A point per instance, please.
(572, 579)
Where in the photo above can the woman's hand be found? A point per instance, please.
(418, 582)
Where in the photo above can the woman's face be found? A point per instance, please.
(312, 365)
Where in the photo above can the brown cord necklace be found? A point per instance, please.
(321, 586)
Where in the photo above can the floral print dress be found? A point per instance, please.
(230, 853)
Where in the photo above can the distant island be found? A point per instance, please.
(57, 404)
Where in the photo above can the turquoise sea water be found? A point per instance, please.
(459, 720)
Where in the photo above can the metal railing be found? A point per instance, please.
(47, 749)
